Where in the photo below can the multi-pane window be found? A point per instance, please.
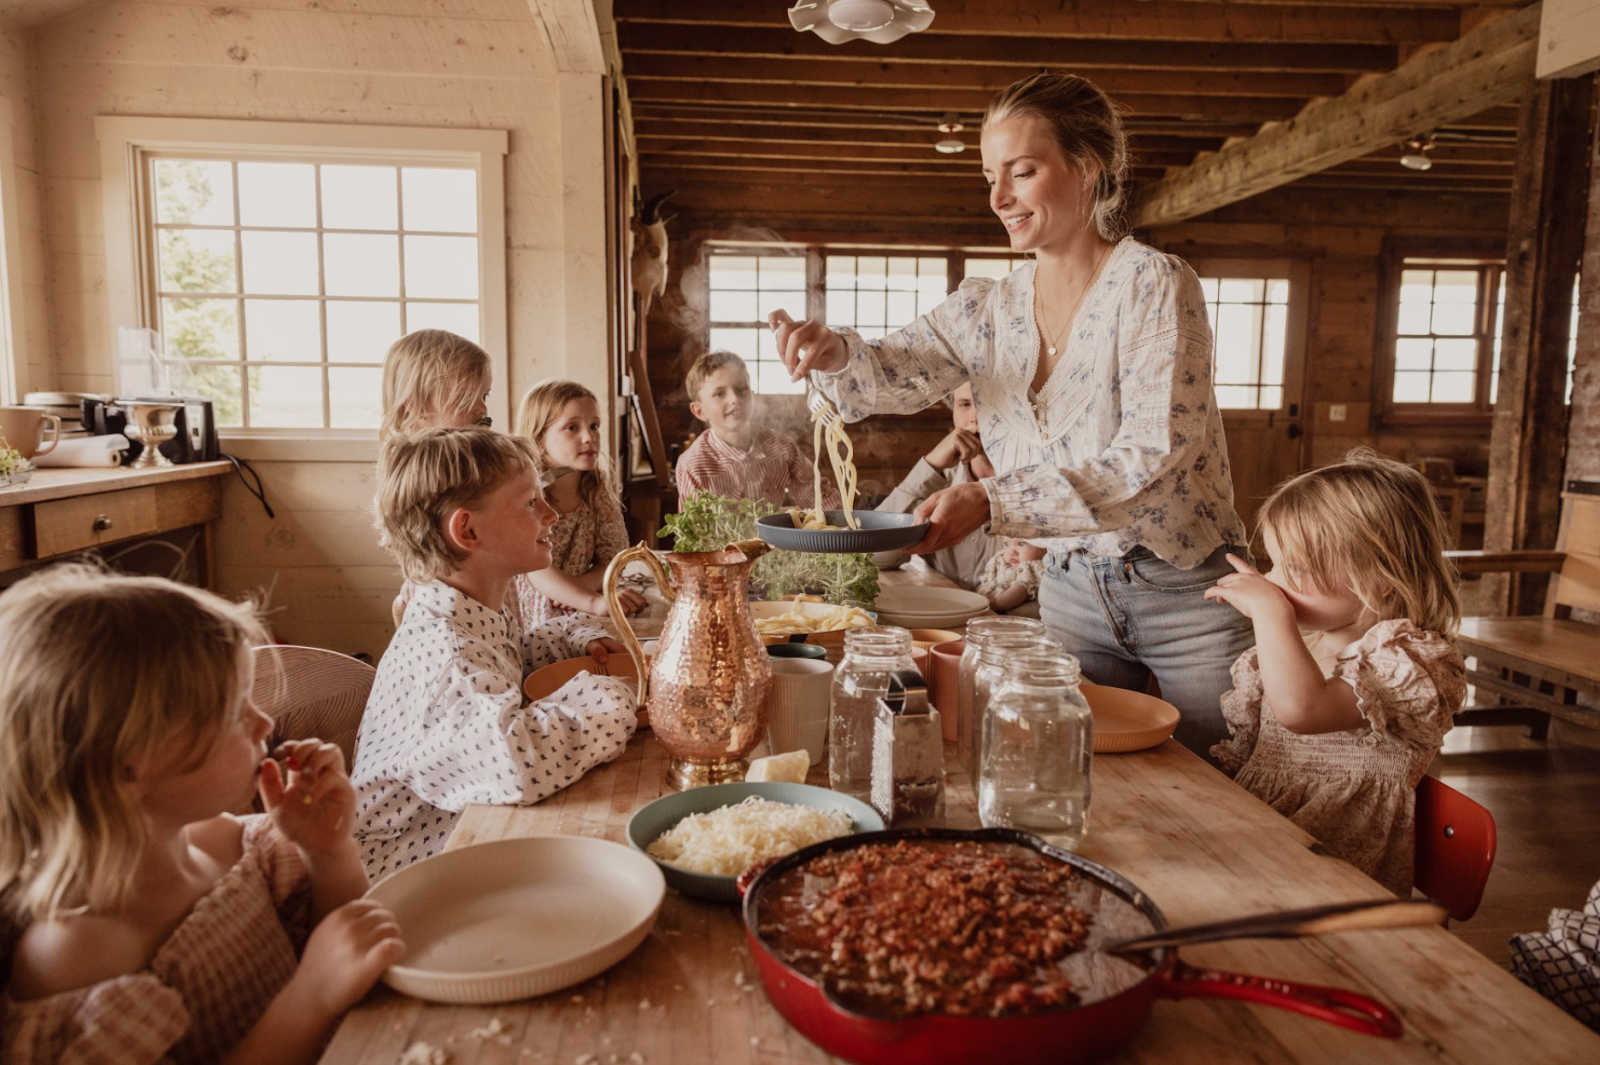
(281, 283)
(877, 294)
(1447, 320)
(745, 288)
(1249, 326)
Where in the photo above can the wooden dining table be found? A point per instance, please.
(1201, 847)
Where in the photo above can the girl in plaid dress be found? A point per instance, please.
(155, 927)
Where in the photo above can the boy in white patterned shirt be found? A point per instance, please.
(445, 725)
(735, 457)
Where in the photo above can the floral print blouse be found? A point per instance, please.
(590, 535)
(1123, 448)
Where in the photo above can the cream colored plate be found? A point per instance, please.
(1126, 720)
(518, 917)
(929, 607)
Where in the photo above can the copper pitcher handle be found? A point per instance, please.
(750, 549)
(625, 627)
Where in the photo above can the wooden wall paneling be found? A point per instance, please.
(1583, 435)
(1543, 248)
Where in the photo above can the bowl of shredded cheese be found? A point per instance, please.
(705, 837)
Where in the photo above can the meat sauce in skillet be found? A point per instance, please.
(953, 927)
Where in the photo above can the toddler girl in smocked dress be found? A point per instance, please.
(1354, 679)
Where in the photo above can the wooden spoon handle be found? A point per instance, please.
(1290, 924)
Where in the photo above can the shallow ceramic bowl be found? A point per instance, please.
(548, 680)
(1128, 720)
(652, 820)
(929, 607)
(518, 917)
(878, 532)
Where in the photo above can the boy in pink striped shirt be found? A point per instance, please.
(736, 457)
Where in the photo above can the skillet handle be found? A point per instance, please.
(1335, 1005)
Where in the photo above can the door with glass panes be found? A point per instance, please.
(1258, 313)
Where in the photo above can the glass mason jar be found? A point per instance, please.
(993, 658)
(861, 679)
(979, 631)
(1038, 740)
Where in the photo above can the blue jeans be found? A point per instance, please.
(1127, 618)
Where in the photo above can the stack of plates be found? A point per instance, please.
(929, 608)
(67, 406)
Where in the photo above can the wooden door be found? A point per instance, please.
(1259, 310)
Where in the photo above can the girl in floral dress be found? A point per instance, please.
(562, 418)
(155, 927)
(1355, 678)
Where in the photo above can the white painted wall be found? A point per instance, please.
(454, 63)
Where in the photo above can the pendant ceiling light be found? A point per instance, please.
(1416, 154)
(951, 144)
(878, 21)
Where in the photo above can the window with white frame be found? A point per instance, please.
(877, 294)
(1249, 327)
(745, 287)
(279, 274)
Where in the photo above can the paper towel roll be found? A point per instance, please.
(85, 451)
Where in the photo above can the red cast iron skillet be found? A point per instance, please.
(1079, 1033)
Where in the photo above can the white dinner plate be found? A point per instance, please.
(929, 607)
(515, 918)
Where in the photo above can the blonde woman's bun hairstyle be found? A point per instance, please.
(1088, 129)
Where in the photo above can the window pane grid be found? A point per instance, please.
(1250, 324)
(877, 294)
(744, 287)
(355, 275)
(1440, 333)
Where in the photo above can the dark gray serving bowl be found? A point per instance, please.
(878, 532)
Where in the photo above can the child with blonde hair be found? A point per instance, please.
(155, 926)
(446, 724)
(1355, 678)
(434, 379)
(562, 420)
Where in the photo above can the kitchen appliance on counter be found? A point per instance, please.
(195, 421)
(68, 406)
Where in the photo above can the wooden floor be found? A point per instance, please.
(1545, 797)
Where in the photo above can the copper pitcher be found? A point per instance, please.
(706, 688)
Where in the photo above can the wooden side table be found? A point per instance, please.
(62, 512)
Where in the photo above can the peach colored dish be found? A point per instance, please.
(545, 681)
(1126, 720)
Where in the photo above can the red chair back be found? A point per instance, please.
(1455, 848)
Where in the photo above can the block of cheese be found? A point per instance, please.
(785, 768)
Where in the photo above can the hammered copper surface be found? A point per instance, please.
(706, 689)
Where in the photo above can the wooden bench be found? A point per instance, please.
(1541, 663)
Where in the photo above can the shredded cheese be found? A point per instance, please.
(795, 621)
(727, 841)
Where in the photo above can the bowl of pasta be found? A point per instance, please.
(803, 620)
(840, 532)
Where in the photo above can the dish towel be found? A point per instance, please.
(85, 451)
(1563, 964)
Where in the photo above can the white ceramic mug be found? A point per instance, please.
(24, 429)
(797, 711)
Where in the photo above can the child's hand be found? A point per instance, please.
(632, 602)
(313, 805)
(599, 650)
(347, 952)
(1251, 594)
(958, 445)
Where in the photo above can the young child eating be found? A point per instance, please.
(462, 512)
(735, 457)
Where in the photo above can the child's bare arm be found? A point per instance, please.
(1301, 698)
(310, 799)
(1007, 598)
(344, 957)
(568, 591)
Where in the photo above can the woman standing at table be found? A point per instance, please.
(1091, 368)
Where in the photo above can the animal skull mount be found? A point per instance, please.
(648, 265)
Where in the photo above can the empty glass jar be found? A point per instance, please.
(1038, 742)
(871, 655)
(979, 632)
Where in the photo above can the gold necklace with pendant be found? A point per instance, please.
(1038, 304)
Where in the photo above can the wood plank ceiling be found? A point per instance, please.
(751, 120)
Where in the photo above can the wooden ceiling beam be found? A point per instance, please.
(1484, 68)
(1370, 23)
(924, 137)
(936, 102)
(792, 71)
(716, 116)
(1026, 51)
(661, 147)
(931, 170)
